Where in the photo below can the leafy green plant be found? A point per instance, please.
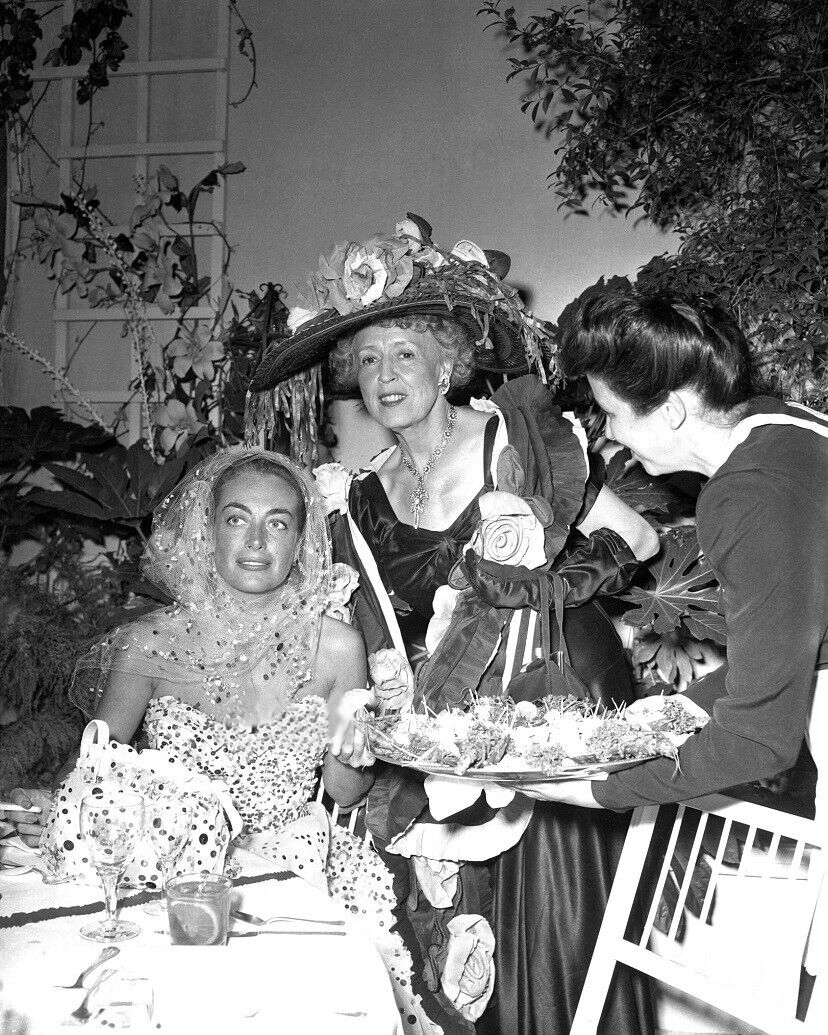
(83, 498)
(685, 592)
(117, 490)
(27, 442)
(629, 481)
(708, 119)
(676, 613)
(41, 636)
(93, 32)
(156, 262)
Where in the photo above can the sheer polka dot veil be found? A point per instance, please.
(208, 635)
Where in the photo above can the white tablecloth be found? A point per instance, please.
(283, 983)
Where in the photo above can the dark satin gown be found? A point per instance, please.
(545, 897)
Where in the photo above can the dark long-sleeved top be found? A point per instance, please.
(762, 522)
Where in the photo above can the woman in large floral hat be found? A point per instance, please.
(408, 324)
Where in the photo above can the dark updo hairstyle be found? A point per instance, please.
(646, 345)
(261, 465)
(450, 335)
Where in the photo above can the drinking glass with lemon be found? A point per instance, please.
(198, 908)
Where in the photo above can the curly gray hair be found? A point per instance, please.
(450, 335)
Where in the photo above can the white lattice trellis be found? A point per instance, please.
(141, 148)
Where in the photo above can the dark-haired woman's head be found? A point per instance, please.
(665, 371)
(645, 346)
(258, 521)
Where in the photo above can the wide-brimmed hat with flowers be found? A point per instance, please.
(401, 275)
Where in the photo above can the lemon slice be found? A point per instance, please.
(193, 923)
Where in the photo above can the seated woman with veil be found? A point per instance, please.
(240, 677)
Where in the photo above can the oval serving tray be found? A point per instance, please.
(491, 775)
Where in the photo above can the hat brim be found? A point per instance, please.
(312, 342)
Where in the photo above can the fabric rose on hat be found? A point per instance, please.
(343, 581)
(298, 316)
(509, 531)
(354, 276)
(333, 482)
(392, 680)
(469, 971)
(425, 255)
(408, 228)
(364, 277)
(468, 251)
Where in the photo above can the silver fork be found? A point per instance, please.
(261, 921)
(83, 1013)
(107, 953)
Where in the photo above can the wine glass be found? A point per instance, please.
(111, 821)
(169, 818)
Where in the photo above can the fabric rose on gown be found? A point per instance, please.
(333, 482)
(437, 879)
(509, 531)
(344, 580)
(392, 680)
(469, 971)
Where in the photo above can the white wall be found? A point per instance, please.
(366, 109)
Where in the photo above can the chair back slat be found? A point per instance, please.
(715, 869)
(748, 848)
(755, 860)
(688, 877)
(773, 851)
(663, 876)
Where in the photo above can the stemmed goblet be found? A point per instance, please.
(111, 821)
(168, 821)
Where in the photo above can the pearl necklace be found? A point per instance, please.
(419, 497)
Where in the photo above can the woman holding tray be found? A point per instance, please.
(408, 324)
(674, 378)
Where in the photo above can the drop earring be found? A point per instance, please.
(444, 384)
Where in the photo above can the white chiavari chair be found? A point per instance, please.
(754, 919)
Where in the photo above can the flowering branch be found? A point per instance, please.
(143, 336)
(60, 378)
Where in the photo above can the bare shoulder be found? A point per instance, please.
(340, 659)
(472, 422)
(338, 640)
(136, 639)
